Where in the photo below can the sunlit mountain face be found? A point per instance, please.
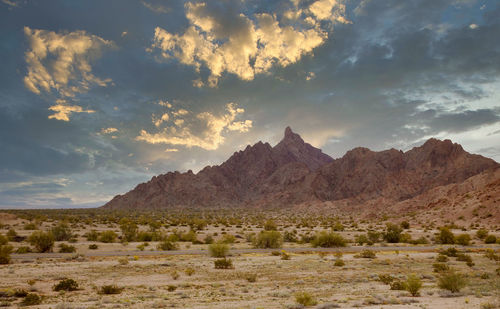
(98, 96)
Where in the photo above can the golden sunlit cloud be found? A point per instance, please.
(109, 130)
(62, 112)
(204, 130)
(251, 48)
(60, 64)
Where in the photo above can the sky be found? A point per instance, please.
(99, 96)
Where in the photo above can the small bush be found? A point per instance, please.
(328, 240)
(413, 285)
(31, 299)
(189, 271)
(268, 239)
(451, 252)
(167, 246)
(463, 239)
(218, 250)
(20, 293)
(107, 237)
(228, 239)
(398, 285)
(387, 279)
(367, 254)
(64, 248)
(440, 267)
(174, 274)
(270, 225)
(93, 247)
(66, 285)
(465, 258)
(93, 235)
(451, 281)
(393, 233)
(223, 263)
(23, 249)
(30, 226)
(441, 258)
(171, 288)
(251, 277)
(123, 261)
(61, 232)
(284, 255)
(481, 234)
(305, 299)
(110, 289)
(339, 263)
(490, 239)
(445, 236)
(5, 251)
(3, 240)
(405, 225)
(43, 242)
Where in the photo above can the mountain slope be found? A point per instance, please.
(294, 172)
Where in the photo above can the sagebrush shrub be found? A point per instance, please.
(43, 242)
(268, 239)
(413, 285)
(452, 281)
(223, 263)
(110, 289)
(66, 285)
(305, 299)
(328, 240)
(218, 250)
(167, 246)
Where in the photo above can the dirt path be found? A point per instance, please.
(244, 251)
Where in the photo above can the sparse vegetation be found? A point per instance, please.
(305, 299)
(223, 263)
(31, 299)
(413, 284)
(268, 239)
(452, 281)
(167, 246)
(66, 285)
(42, 241)
(328, 240)
(110, 289)
(218, 250)
(5, 251)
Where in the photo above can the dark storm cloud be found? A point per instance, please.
(402, 71)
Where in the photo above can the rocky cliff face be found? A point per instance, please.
(294, 172)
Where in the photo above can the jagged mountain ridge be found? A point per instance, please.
(294, 172)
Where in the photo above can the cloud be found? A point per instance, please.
(60, 64)
(109, 130)
(223, 40)
(204, 130)
(62, 112)
(154, 7)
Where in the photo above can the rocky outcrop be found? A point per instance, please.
(294, 172)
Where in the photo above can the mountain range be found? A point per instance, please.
(295, 174)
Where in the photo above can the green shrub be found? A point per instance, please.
(445, 236)
(339, 263)
(144, 236)
(451, 252)
(208, 240)
(373, 236)
(167, 246)
(66, 285)
(12, 235)
(392, 233)
(129, 229)
(463, 239)
(110, 289)
(367, 254)
(61, 232)
(452, 281)
(289, 237)
(64, 248)
(223, 263)
(305, 299)
(481, 234)
(440, 267)
(171, 288)
(398, 285)
(251, 277)
(20, 293)
(107, 237)
(442, 258)
(5, 251)
(189, 271)
(362, 239)
(228, 239)
(413, 285)
(93, 235)
(405, 225)
(218, 250)
(270, 225)
(30, 226)
(268, 239)
(328, 240)
(93, 247)
(490, 239)
(386, 279)
(31, 299)
(23, 249)
(43, 242)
